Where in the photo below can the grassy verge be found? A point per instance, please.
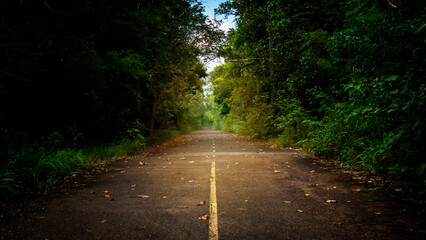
(34, 170)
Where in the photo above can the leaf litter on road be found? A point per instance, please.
(201, 203)
(204, 217)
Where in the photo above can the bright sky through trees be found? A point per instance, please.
(227, 24)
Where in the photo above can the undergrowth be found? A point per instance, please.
(35, 169)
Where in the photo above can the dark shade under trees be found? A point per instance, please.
(76, 74)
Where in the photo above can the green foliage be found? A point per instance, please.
(79, 74)
(37, 168)
(343, 79)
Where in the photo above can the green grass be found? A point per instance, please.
(35, 170)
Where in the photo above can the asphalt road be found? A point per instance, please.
(215, 185)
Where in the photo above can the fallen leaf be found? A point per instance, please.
(312, 171)
(277, 171)
(104, 221)
(201, 203)
(143, 196)
(107, 196)
(331, 201)
(191, 161)
(134, 185)
(307, 194)
(205, 217)
(378, 213)
(164, 197)
(182, 158)
(133, 189)
(106, 191)
(164, 167)
(246, 200)
(398, 189)
(300, 211)
(287, 202)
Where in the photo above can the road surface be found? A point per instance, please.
(215, 185)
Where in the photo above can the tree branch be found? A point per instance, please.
(391, 4)
(56, 11)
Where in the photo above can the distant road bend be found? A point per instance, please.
(215, 185)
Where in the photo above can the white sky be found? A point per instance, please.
(210, 5)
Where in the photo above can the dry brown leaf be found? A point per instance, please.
(277, 171)
(107, 196)
(300, 211)
(287, 202)
(378, 213)
(182, 207)
(205, 217)
(143, 196)
(201, 203)
(331, 201)
(307, 194)
(104, 221)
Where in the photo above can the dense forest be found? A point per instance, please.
(83, 82)
(87, 81)
(345, 80)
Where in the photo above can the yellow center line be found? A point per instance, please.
(213, 224)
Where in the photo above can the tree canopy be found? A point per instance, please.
(344, 79)
(76, 74)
